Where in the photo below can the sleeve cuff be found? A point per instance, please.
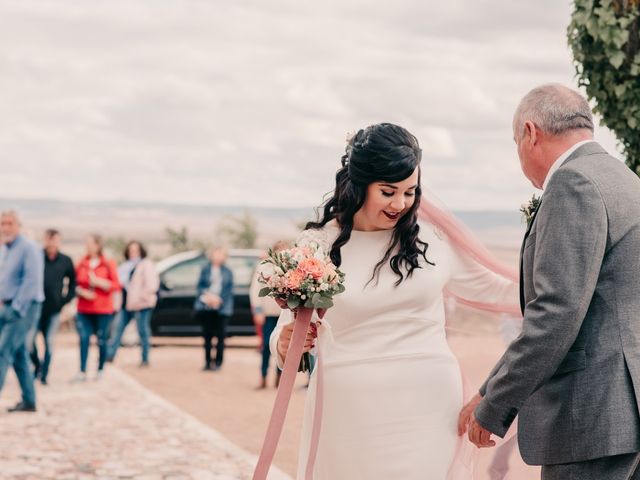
(483, 388)
(495, 418)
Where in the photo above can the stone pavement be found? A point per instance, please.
(111, 429)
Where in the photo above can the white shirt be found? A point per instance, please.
(558, 163)
(216, 280)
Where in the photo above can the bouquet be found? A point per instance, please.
(528, 210)
(304, 277)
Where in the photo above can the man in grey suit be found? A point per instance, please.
(573, 375)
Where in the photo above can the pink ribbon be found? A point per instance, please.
(281, 404)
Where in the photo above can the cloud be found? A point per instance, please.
(248, 103)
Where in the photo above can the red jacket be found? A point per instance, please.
(103, 303)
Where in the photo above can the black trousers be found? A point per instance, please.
(618, 467)
(213, 325)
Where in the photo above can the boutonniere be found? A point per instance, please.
(529, 209)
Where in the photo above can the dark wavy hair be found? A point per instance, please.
(380, 153)
(143, 251)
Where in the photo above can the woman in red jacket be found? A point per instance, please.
(97, 280)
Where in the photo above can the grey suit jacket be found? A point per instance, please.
(573, 375)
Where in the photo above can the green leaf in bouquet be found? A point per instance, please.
(323, 302)
(293, 302)
(340, 288)
(308, 303)
(264, 292)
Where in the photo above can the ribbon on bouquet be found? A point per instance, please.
(283, 396)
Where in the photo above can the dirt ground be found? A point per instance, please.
(228, 401)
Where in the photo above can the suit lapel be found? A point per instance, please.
(524, 241)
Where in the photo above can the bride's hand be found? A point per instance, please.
(284, 340)
(282, 303)
(466, 413)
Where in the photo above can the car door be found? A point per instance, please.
(178, 286)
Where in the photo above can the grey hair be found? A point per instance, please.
(13, 213)
(554, 109)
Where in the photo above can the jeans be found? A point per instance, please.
(93, 324)
(143, 322)
(213, 325)
(14, 330)
(49, 328)
(267, 330)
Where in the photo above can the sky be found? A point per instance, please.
(250, 102)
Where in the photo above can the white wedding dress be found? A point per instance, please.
(392, 386)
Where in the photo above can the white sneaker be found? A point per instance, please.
(99, 375)
(79, 378)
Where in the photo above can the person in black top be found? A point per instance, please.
(59, 289)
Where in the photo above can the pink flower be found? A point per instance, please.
(294, 279)
(300, 253)
(313, 267)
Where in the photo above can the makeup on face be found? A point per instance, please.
(387, 202)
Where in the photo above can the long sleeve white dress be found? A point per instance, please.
(392, 386)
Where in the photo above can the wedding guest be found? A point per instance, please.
(21, 296)
(265, 316)
(214, 304)
(97, 281)
(140, 283)
(59, 289)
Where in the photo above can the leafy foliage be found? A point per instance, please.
(241, 231)
(116, 246)
(178, 239)
(603, 35)
(529, 209)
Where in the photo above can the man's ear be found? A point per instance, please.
(530, 133)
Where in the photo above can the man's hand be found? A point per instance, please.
(478, 435)
(466, 413)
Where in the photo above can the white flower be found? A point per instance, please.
(267, 270)
(315, 239)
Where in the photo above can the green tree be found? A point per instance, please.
(178, 239)
(116, 246)
(603, 35)
(240, 231)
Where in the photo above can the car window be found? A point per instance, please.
(242, 268)
(185, 274)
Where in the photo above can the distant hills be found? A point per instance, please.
(148, 221)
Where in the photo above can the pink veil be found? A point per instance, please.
(433, 211)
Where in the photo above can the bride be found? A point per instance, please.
(392, 387)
